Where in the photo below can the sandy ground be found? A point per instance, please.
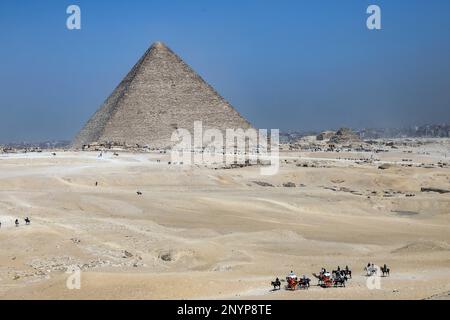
(197, 232)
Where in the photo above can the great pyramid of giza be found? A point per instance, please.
(160, 94)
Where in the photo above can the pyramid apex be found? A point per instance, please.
(159, 45)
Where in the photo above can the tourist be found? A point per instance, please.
(292, 275)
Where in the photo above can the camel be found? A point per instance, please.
(337, 279)
(319, 278)
(323, 280)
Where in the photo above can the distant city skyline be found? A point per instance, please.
(291, 65)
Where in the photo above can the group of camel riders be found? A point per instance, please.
(292, 275)
(338, 271)
(17, 223)
(293, 281)
(335, 278)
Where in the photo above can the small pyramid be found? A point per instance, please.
(160, 94)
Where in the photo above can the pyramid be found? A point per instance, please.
(160, 94)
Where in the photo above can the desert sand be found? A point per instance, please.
(200, 232)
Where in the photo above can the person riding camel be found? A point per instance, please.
(292, 275)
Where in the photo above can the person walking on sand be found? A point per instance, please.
(17, 222)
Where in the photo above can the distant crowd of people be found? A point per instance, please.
(17, 223)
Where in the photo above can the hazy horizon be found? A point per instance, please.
(295, 66)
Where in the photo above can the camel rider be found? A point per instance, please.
(292, 275)
(346, 268)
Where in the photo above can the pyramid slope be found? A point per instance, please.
(160, 94)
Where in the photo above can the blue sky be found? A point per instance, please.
(303, 65)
